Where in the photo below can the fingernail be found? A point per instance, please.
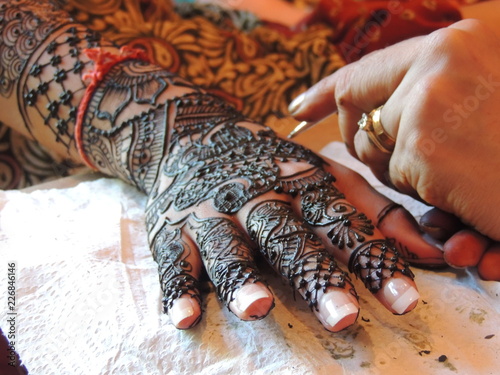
(436, 233)
(400, 295)
(295, 104)
(183, 312)
(338, 310)
(253, 301)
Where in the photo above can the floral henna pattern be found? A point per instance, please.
(130, 147)
(212, 156)
(294, 251)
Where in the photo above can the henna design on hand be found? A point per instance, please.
(123, 145)
(375, 261)
(227, 256)
(171, 254)
(294, 251)
(326, 206)
(213, 156)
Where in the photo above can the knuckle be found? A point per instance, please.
(343, 92)
(446, 38)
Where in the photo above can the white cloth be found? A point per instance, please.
(89, 302)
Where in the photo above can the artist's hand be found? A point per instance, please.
(440, 94)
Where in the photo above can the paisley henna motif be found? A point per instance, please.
(325, 206)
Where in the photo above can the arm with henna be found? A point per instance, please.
(219, 186)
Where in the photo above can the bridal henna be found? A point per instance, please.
(189, 151)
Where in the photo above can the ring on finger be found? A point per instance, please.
(372, 125)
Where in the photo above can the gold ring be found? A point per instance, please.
(371, 124)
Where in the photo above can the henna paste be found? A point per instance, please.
(44, 89)
(227, 256)
(123, 145)
(386, 210)
(171, 254)
(324, 205)
(24, 26)
(294, 251)
(375, 261)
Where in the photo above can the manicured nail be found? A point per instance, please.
(253, 301)
(337, 310)
(183, 312)
(295, 104)
(400, 295)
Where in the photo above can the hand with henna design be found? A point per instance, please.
(224, 179)
(224, 186)
(220, 187)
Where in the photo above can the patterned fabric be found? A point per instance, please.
(256, 66)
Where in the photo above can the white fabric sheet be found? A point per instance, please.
(89, 302)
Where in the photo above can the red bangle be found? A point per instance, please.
(104, 61)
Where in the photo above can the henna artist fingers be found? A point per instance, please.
(439, 224)
(356, 242)
(465, 248)
(300, 257)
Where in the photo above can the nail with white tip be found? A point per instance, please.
(400, 295)
(252, 301)
(184, 312)
(337, 310)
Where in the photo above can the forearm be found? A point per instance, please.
(42, 68)
(45, 69)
